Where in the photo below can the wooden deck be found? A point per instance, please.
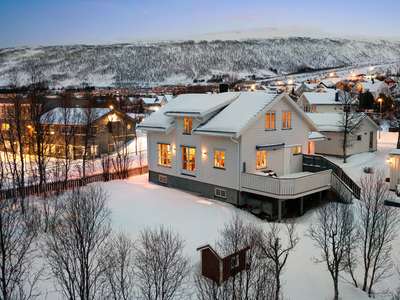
(285, 188)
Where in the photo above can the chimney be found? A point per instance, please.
(223, 88)
(337, 97)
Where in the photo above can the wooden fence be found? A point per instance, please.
(59, 186)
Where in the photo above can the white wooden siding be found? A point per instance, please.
(257, 135)
(332, 146)
(224, 177)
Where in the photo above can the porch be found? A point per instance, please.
(299, 185)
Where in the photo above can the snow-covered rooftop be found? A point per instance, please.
(238, 114)
(199, 104)
(151, 100)
(330, 122)
(73, 116)
(323, 98)
(316, 136)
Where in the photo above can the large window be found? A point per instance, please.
(261, 159)
(164, 155)
(287, 119)
(219, 159)
(270, 121)
(188, 158)
(66, 129)
(188, 125)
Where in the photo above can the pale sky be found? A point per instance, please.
(60, 22)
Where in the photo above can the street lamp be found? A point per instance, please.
(380, 106)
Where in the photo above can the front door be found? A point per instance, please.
(371, 140)
(287, 155)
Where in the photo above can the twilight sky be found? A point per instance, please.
(61, 22)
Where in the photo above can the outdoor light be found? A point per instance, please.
(204, 152)
(389, 160)
(111, 107)
(253, 87)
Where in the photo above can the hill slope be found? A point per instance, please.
(173, 62)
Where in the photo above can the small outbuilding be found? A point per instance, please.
(220, 269)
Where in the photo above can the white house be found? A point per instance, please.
(223, 145)
(375, 88)
(365, 132)
(323, 101)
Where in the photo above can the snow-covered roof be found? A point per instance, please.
(329, 122)
(151, 100)
(233, 118)
(74, 115)
(327, 83)
(324, 98)
(369, 86)
(316, 136)
(394, 152)
(199, 104)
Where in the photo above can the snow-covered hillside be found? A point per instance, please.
(180, 62)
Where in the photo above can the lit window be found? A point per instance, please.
(5, 126)
(286, 120)
(261, 159)
(297, 150)
(111, 148)
(164, 155)
(94, 149)
(188, 158)
(188, 125)
(219, 159)
(270, 121)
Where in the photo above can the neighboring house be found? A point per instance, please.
(394, 169)
(312, 138)
(323, 101)
(375, 88)
(109, 130)
(152, 102)
(307, 87)
(365, 133)
(391, 80)
(217, 144)
(220, 269)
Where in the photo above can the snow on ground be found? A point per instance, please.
(136, 204)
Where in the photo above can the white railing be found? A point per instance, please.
(342, 189)
(287, 186)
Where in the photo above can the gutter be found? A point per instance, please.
(238, 170)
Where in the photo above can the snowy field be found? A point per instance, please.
(136, 203)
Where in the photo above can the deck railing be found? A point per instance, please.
(296, 187)
(317, 163)
(287, 186)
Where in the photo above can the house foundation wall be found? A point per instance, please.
(204, 189)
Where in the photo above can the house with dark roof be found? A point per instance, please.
(234, 147)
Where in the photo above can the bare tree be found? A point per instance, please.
(18, 250)
(118, 268)
(276, 250)
(162, 269)
(14, 137)
(74, 245)
(68, 119)
(348, 122)
(256, 281)
(122, 130)
(335, 222)
(376, 228)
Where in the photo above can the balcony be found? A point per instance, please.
(295, 185)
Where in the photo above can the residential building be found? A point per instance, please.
(224, 146)
(364, 133)
(324, 101)
(108, 130)
(375, 87)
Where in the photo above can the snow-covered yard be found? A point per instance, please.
(136, 203)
